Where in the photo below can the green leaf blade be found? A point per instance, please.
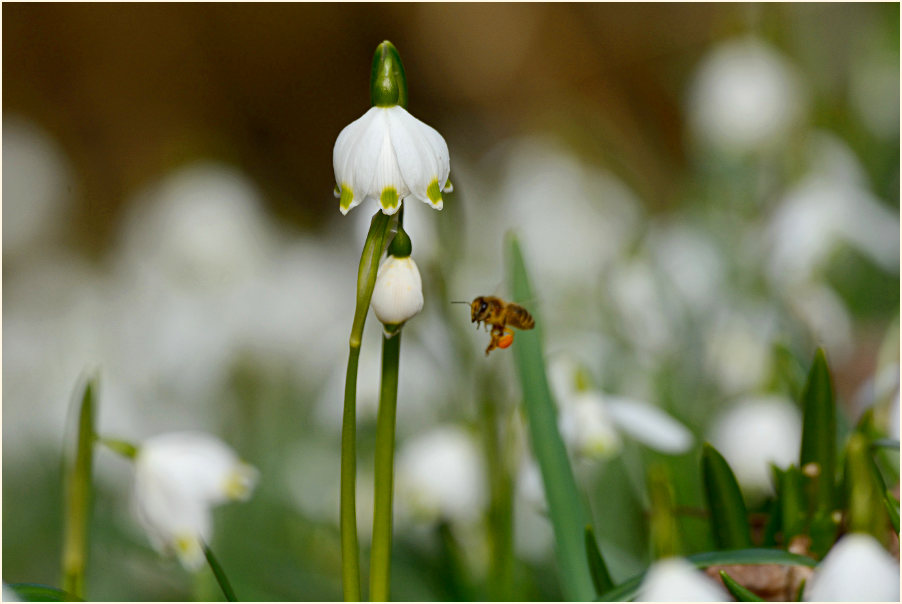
(601, 578)
(568, 516)
(729, 518)
(742, 594)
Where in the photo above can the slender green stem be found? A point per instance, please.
(78, 497)
(366, 280)
(500, 583)
(219, 574)
(380, 556)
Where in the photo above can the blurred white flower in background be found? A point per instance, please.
(388, 155)
(676, 580)
(829, 206)
(745, 96)
(37, 180)
(440, 476)
(179, 477)
(823, 312)
(856, 569)
(9, 595)
(643, 311)
(753, 433)
(874, 91)
(689, 259)
(738, 345)
(590, 421)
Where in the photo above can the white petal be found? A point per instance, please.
(675, 580)
(179, 476)
(649, 425)
(856, 569)
(421, 151)
(586, 426)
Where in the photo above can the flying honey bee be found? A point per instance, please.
(491, 310)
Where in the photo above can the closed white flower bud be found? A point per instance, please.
(179, 477)
(389, 155)
(398, 293)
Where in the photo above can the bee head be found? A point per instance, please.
(478, 309)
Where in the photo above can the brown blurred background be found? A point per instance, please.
(132, 90)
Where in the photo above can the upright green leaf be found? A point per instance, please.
(601, 578)
(866, 511)
(892, 508)
(78, 484)
(818, 453)
(729, 518)
(568, 516)
(792, 504)
(741, 593)
(665, 538)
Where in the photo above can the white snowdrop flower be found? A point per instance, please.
(676, 580)
(638, 297)
(587, 427)
(856, 569)
(691, 262)
(649, 425)
(754, 433)
(398, 293)
(440, 474)
(179, 477)
(389, 155)
(737, 348)
(744, 96)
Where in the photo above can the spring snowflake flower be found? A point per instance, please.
(856, 569)
(389, 155)
(676, 580)
(179, 477)
(398, 293)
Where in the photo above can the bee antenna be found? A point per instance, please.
(459, 302)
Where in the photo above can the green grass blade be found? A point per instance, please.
(78, 484)
(892, 508)
(738, 591)
(818, 453)
(629, 588)
(601, 578)
(35, 592)
(568, 516)
(729, 518)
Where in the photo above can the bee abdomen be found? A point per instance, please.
(520, 317)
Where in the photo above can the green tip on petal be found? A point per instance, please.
(388, 84)
(389, 200)
(400, 246)
(347, 196)
(434, 193)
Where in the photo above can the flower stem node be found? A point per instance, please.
(387, 154)
(398, 294)
(179, 477)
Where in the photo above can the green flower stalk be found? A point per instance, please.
(386, 155)
(78, 495)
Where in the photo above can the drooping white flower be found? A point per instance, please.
(754, 433)
(676, 580)
(856, 569)
(398, 293)
(591, 422)
(179, 477)
(440, 474)
(389, 155)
